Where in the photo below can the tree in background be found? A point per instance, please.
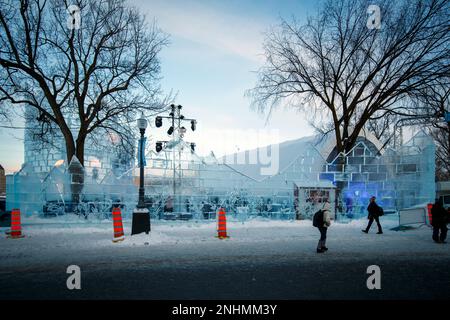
(81, 69)
(433, 103)
(347, 71)
(88, 64)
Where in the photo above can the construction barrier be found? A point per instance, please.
(117, 224)
(16, 228)
(420, 214)
(222, 224)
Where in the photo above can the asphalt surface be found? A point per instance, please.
(204, 273)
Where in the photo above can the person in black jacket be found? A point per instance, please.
(323, 227)
(439, 222)
(374, 213)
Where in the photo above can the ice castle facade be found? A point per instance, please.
(179, 184)
(44, 183)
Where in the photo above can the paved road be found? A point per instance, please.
(204, 272)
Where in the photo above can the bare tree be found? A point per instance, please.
(93, 64)
(383, 128)
(346, 74)
(433, 103)
(441, 135)
(3, 112)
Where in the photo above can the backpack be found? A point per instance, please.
(318, 219)
(380, 211)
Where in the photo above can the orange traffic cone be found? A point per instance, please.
(222, 224)
(16, 228)
(430, 217)
(118, 226)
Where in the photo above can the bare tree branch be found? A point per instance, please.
(350, 74)
(101, 74)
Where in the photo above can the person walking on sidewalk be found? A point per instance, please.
(375, 211)
(439, 220)
(321, 220)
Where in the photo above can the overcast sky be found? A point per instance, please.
(215, 47)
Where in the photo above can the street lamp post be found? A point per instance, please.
(177, 132)
(141, 215)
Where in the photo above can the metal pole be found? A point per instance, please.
(141, 215)
(179, 156)
(173, 155)
(141, 202)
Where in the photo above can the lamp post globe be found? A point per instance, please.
(142, 123)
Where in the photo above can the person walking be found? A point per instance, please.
(323, 217)
(439, 220)
(169, 205)
(375, 211)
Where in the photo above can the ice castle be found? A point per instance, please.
(179, 184)
(44, 181)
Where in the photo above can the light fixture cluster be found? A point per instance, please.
(175, 118)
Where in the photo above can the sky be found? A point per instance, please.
(214, 52)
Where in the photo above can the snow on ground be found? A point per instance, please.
(184, 259)
(100, 233)
(49, 240)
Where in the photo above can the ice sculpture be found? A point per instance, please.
(181, 184)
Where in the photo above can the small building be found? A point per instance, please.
(309, 197)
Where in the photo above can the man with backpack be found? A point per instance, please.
(375, 212)
(321, 220)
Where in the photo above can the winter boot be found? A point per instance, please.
(323, 247)
(320, 247)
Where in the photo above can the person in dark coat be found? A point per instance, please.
(206, 209)
(374, 214)
(439, 220)
(326, 222)
(169, 204)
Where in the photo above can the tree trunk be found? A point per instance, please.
(80, 148)
(448, 137)
(76, 170)
(79, 153)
